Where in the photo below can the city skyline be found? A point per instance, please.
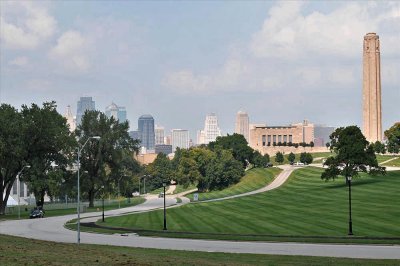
(179, 68)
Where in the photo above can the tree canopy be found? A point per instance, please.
(353, 154)
(393, 138)
(103, 160)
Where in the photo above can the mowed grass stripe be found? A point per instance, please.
(254, 179)
(304, 205)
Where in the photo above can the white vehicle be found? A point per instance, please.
(298, 164)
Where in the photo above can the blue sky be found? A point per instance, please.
(281, 62)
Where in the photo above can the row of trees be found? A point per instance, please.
(305, 157)
(209, 167)
(39, 136)
(290, 144)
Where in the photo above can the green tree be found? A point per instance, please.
(103, 160)
(279, 157)
(379, 147)
(223, 170)
(260, 160)
(353, 154)
(50, 149)
(13, 150)
(291, 157)
(306, 158)
(237, 144)
(160, 171)
(393, 138)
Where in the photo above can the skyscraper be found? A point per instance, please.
(70, 119)
(180, 139)
(242, 124)
(211, 129)
(118, 112)
(83, 105)
(146, 129)
(372, 112)
(159, 131)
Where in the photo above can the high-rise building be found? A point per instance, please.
(135, 135)
(163, 148)
(211, 130)
(70, 119)
(118, 112)
(242, 124)
(159, 131)
(321, 135)
(180, 139)
(372, 111)
(84, 104)
(146, 129)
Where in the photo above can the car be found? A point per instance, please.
(136, 194)
(161, 195)
(269, 165)
(36, 213)
(298, 164)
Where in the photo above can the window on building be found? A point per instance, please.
(284, 138)
(264, 139)
(290, 138)
(274, 139)
(280, 138)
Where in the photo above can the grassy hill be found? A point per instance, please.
(303, 206)
(254, 179)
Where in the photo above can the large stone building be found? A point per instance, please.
(270, 139)
(242, 124)
(372, 111)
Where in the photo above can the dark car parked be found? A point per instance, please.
(36, 213)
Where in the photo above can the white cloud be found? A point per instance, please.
(25, 25)
(288, 34)
(70, 51)
(20, 61)
(294, 50)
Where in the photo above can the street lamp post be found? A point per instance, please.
(79, 192)
(165, 213)
(19, 188)
(350, 221)
(103, 202)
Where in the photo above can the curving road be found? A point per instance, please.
(52, 229)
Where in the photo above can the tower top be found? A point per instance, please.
(371, 36)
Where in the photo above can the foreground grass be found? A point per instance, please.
(304, 206)
(59, 212)
(254, 179)
(21, 251)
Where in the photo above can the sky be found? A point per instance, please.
(281, 61)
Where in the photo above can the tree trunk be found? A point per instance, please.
(91, 198)
(3, 201)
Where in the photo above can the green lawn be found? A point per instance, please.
(23, 251)
(395, 162)
(382, 158)
(59, 212)
(304, 206)
(180, 188)
(254, 179)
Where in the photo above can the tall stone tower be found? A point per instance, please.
(372, 111)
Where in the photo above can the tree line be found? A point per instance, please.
(39, 137)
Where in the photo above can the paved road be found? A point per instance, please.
(52, 229)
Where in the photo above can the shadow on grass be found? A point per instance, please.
(356, 182)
